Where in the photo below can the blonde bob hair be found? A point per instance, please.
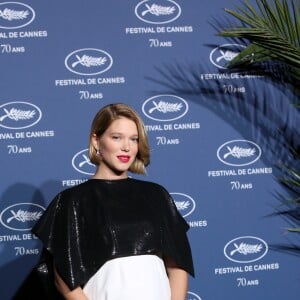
(103, 120)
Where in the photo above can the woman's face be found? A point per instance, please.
(118, 147)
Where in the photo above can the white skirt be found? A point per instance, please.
(130, 278)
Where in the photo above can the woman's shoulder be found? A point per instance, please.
(149, 185)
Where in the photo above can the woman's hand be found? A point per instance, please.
(76, 294)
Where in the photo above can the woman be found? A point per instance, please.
(114, 237)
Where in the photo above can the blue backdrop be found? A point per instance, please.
(213, 135)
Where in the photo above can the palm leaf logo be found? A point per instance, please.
(239, 152)
(10, 14)
(227, 55)
(182, 205)
(86, 160)
(158, 10)
(24, 216)
(165, 107)
(89, 61)
(245, 249)
(18, 114)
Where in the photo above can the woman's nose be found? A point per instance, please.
(125, 146)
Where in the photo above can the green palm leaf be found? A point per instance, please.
(273, 31)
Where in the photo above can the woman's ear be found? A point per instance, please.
(95, 141)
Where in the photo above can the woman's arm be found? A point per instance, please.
(76, 294)
(178, 279)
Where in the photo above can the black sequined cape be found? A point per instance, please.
(99, 220)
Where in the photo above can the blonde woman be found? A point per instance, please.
(114, 237)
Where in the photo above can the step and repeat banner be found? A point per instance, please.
(212, 133)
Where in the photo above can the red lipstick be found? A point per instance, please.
(124, 158)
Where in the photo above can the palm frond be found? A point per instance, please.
(273, 30)
(294, 229)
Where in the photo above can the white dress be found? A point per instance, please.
(130, 278)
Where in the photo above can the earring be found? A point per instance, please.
(98, 152)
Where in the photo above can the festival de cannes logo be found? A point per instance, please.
(245, 249)
(88, 61)
(192, 296)
(184, 203)
(223, 54)
(19, 115)
(157, 12)
(165, 108)
(21, 216)
(15, 15)
(82, 163)
(239, 153)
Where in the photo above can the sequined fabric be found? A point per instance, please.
(99, 220)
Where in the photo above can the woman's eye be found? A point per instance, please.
(115, 137)
(135, 140)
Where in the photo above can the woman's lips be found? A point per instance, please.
(124, 158)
